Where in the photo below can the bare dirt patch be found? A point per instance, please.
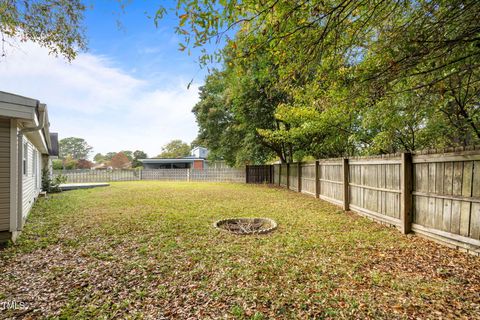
(247, 225)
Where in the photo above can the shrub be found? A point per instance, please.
(52, 185)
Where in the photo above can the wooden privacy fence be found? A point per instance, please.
(433, 194)
(259, 174)
(209, 175)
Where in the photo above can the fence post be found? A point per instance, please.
(288, 175)
(406, 181)
(317, 179)
(299, 177)
(346, 200)
(246, 173)
(280, 174)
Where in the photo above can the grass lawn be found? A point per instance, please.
(148, 250)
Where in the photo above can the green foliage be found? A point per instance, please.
(402, 37)
(128, 154)
(54, 24)
(137, 155)
(50, 185)
(235, 104)
(175, 149)
(57, 164)
(334, 78)
(65, 164)
(76, 148)
(109, 156)
(99, 158)
(132, 157)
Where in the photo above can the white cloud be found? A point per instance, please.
(94, 99)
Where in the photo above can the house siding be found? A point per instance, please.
(4, 174)
(32, 178)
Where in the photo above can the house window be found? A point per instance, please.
(25, 157)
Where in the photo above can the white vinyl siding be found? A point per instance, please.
(25, 159)
(31, 178)
(4, 174)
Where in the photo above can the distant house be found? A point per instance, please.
(101, 166)
(26, 147)
(200, 152)
(197, 160)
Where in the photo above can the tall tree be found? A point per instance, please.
(76, 148)
(234, 105)
(357, 77)
(120, 161)
(411, 37)
(175, 149)
(99, 158)
(137, 155)
(84, 164)
(128, 153)
(218, 129)
(54, 24)
(109, 155)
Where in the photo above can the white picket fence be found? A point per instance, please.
(207, 175)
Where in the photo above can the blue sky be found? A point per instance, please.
(127, 92)
(140, 47)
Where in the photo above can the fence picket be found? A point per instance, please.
(437, 195)
(209, 174)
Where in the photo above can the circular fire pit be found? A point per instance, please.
(247, 225)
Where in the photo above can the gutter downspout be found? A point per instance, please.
(41, 123)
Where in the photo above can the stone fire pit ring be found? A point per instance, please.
(244, 226)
